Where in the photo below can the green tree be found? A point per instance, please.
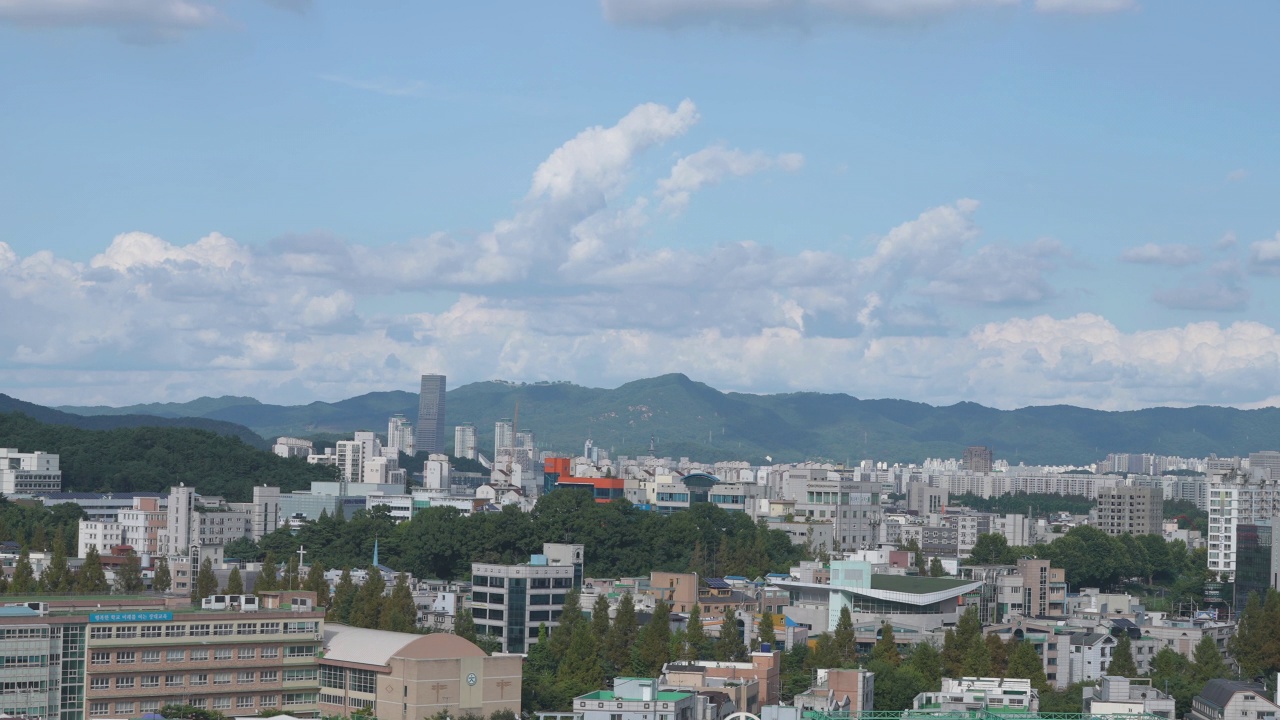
(653, 646)
(990, 549)
(926, 660)
(1207, 663)
(291, 581)
(936, 569)
(570, 618)
(900, 686)
(1122, 664)
(977, 660)
(695, 637)
(243, 549)
(622, 634)
(766, 635)
(366, 611)
(729, 646)
(344, 596)
(998, 651)
(846, 643)
(163, 579)
(317, 584)
(24, 576)
(953, 652)
(91, 580)
(400, 613)
(206, 582)
(886, 648)
(235, 583)
(600, 620)
(464, 626)
(922, 567)
(1025, 663)
(57, 577)
(825, 653)
(1171, 670)
(580, 670)
(267, 579)
(129, 576)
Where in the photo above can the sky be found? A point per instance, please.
(1011, 202)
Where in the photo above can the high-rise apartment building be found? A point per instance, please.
(1237, 498)
(464, 441)
(977, 459)
(1267, 462)
(400, 436)
(1130, 510)
(429, 437)
(504, 437)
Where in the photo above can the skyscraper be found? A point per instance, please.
(503, 438)
(464, 441)
(430, 415)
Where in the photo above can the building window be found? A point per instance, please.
(246, 653)
(100, 633)
(270, 628)
(222, 629)
(270, 653)
(269, 676)
(150, 656)
(100, 683)
(332, 677)
(201, 703)
(150, 681)
(152, 631)
(223, 678)
(299, 699)
(356, 702)
(150, 706)
(199, 630)
(124, 683)
(200, 679)
(126, 632)
(297, 651)
(99, 708)
(364, 681)
(247, 629)
(244, 701)
(175, 655)
(245, 677)
(222, 703)
(268, 701)
(175, 631)
(173, 681)
(100, 658)
(300, 675)
(222, 654)
(199, 656)
(332, 699)
(125, 657)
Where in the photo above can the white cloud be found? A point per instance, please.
(1264, 256)
(1237, 175)
(1085, 7)
(1221, 288)
(712, 165)
(1153, 254)
(1226, 242)
(137, 21)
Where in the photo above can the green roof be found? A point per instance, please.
(915, 585)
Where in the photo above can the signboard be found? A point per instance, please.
(125, 617)
(1213, 592)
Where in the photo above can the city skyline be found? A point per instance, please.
(1012, 203)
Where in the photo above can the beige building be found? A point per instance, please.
(399, 675)
(1130, 510)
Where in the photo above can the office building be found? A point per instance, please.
(925, 500)
(1257, 562)
(464, 441)
(392, 675)
(28, 473)
(977, 459)
(431, 417)
(1266, 464)
(1237, 498)
(510, 602)
(1130, 510)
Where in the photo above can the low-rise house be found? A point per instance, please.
(1222, 699)
(972, 694)
(1127, 696)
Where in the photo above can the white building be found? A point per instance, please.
(28, 473)
(1222, 699)
(1125, 696)
(464, 441)
(289, 447)
(1237, 498)
(980, 694)
(399, 437)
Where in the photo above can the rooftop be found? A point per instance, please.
(343, 643)
(663, 696)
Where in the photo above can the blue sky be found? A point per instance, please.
(1014, 202)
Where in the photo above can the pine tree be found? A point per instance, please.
(163, 579)
(729, 647)
(977, 660)
(1122, 664)
(464, 626)
(622, 634)
(886, 647)
(570, 618)
(953, 652)
(57, 577)
(653, 646)
(580, 669)
(1025, 663)
(24, 576)
(999, 654)
(765, 635)
(400, 613)
(91, 580)
(845, 641)
(235, 583)
(129, 576)
(344, 595)
(366, 611)
(206, 582)
(267, 579)
(1207, 663)
(600, 618)
(926, 660)
(318, 585)
(695, 637)
(936, 569)
(291, 581)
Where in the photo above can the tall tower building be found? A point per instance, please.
(464, 441)
(503, 438)
(977, 459)
(399, 436)
(430, 415)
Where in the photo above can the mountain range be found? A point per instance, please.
(684, 418)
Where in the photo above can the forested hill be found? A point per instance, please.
(125, 420)
(152, 459)
(688, 418)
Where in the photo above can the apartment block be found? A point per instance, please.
(1128, 510)
(1237, 498)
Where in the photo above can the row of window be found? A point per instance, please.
(357, 680)
(355, 702)
(243, 677)
(18, 661)
(129, 657)
(23, 633)
(242, 702)
(128, 632)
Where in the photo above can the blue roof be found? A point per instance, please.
(716, 583)
(781, 576)
(17, 611)
(735, 577)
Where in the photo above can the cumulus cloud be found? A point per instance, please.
(569, 287)
(1153, 254)
(1264, 256)
(711, 165)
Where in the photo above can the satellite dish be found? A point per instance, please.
(768, 458)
